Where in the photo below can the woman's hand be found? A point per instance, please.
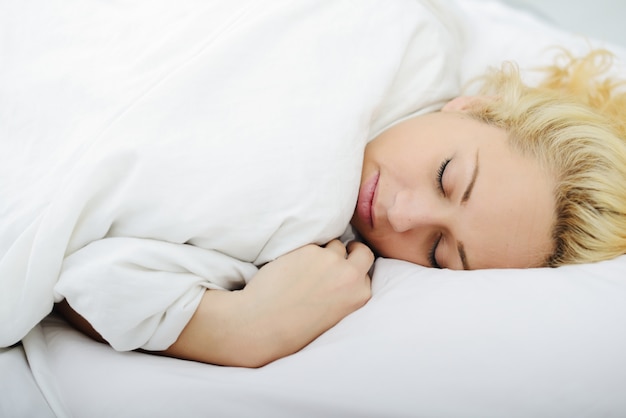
(289, 303)
(301, 295)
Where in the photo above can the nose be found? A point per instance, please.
(411, 210)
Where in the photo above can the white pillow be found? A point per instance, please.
(485, 343)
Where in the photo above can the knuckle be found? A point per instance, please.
(368, 251)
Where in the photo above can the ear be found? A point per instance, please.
(460, 104)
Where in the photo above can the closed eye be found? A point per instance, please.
(432, 259)
(440, 173)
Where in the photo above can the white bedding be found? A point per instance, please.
(541, 342)
(430, 343)
(238, 136)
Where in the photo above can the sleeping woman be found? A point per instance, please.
(515, 177)
(180, 189)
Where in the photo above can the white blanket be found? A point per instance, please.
(430, 343)
(153, 150)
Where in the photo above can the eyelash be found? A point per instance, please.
(440, 171)
(431, 254)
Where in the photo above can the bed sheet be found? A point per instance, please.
(20, 395)
(515, 343)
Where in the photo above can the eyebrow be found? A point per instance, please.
(470, 186)
(461, 250)
(466, 195)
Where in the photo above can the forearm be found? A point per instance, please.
(290, 302)
(222, 331)
(226, 331)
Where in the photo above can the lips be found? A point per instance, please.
(364, 207)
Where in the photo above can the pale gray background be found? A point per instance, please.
(602, 19)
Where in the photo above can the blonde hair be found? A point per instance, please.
(574, 123)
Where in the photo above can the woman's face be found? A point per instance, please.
(445, 190)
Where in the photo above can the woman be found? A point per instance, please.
(566, 136)
(559, 146)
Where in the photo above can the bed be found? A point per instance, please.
(430, 343)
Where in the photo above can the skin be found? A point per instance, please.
(494, 210)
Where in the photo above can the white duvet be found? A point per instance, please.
(153, 150)
(430, 343)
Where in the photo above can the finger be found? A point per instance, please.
(360, 255)
(352, 244)
(337, 247)
(357, 245)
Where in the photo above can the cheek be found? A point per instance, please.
(393, 148)
(394, 245)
